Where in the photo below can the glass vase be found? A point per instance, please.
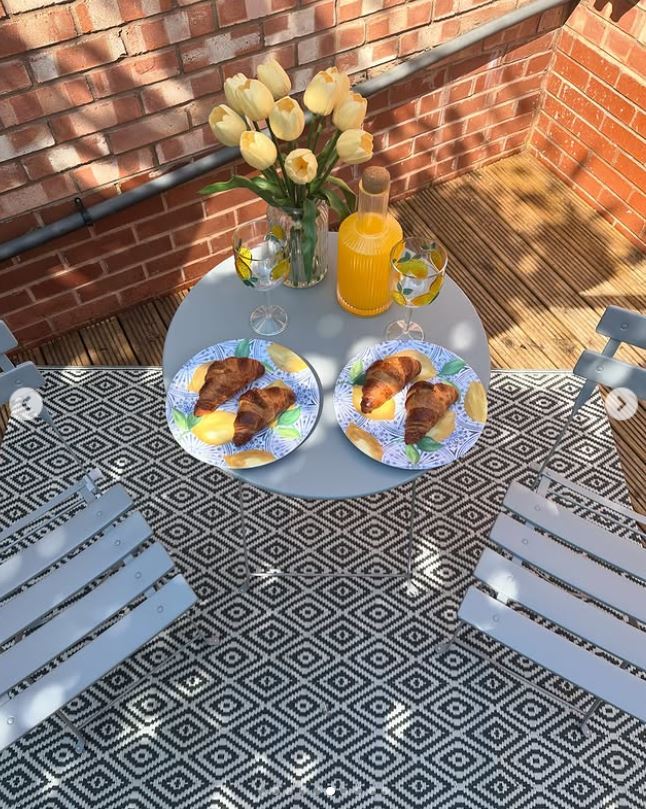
(290, 220)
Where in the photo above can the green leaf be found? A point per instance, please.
(180, 419)
(356, 372)
(269, 368)
(242, 349)
(336, 203)
(289, 417)
(290, 433)
(261, 186)
(192, 420)
(309, 236)
(412, 453)
(348, 193)
(452, 367)
(427, 444)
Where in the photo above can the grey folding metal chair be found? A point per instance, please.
(83, 585)
(563, 533)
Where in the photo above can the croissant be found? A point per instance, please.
(426, 403)
(385, 378)
(257, 409)
(223, 379)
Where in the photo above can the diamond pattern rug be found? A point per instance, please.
(325, 693)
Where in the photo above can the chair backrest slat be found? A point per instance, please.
(620, 552)
(36, 601)
(554, 652)
(54, 546)
(621, 324)
(82, 617)
(560, 607)
(25, 375)
(70, 678)
(579, 571)
(7, 340)
(611, 372)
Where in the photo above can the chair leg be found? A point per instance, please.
(445, 645)
(585, 729)
(79, 746)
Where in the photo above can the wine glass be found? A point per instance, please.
(262, 262)
(418, 268)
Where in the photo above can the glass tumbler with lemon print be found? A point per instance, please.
(418, 269)
(262, 262)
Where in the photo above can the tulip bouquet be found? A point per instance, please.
(294, 177)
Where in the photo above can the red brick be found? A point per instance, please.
(64, 281)
(148, 130)
(13, 76)
(587, 23)
(36, 30)
(90, 52)
(113, 169)
(65, 156)
(138, 254)
(597, 63)
(608, 176)
(195, 270)
(25, 140)
(18, 226)
(220, 47)
(40, 310)
(340, 39)
(625, 139)
(12, 175)
(100, 246)
(284, 54)
(14, 301)
(631, 170)
(612, 102)
(188, 143)
(630, 87)
(445, 8)
(160, 32)
(180, 90)
(412, 15)
(617, 43)
(98, 116)
(43, 101)
(114, 282)
(571, 71)
(232, 12)
(196, 232)
(25, 273)
(134, 72)
(142, 210)
(153, 287)
(78, 315)
(178, 258)
(171, 220)
(298, 23)
(97, 15)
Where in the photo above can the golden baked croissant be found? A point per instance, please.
(223, 379)
(257, 408)
(385, 378)
(426, 403)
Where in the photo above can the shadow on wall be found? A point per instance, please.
(618, 7)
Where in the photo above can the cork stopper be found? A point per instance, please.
(375, 180)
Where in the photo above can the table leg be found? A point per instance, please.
(243, 531)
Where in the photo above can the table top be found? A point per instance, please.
(327, 465)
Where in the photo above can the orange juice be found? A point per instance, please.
(365, 241)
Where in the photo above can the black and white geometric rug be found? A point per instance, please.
(323, 694)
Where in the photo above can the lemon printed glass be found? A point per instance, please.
(418, 268)
(261, 262)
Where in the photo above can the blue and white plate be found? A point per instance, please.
(380, 435)
(208, 438)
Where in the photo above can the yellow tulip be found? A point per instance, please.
(286, 119)
(257, 149)
(231, 86)
(321, 94)
(342, 81)
(350, 112)
(226, 125)
(354, 146)
(255, 99)
(301, 166)
(272, 75)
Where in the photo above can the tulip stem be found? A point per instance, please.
(316, 120)
(288, 194)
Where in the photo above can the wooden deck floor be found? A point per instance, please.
(537, 263)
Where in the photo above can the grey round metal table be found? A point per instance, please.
(327, 465)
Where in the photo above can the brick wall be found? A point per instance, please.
(591, 129)
(97, 96)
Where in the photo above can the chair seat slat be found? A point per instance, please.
(579, 617)
(622, 324)
(82, 617)
(38, 557)
(69, 679)
(25, 375)
(7, 340)
(574, 663)
(36, 601)
(573, 568)
(621, 552)
(611, 372)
